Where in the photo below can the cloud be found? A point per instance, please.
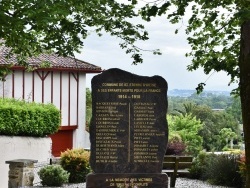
(172, 64)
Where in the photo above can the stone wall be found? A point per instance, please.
(21, 148)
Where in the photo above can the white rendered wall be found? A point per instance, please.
(21, 148)
(56, 90)
(28, 86)
(81, 136)
(18, 83)
(65, 98)
(47, 89)
(6, 86)
(73, 99)
(37, 88)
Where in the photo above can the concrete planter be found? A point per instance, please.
(17, 147)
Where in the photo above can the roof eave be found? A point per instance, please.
(59, 69)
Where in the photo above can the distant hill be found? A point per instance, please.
(188, 93)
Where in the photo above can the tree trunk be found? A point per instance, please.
(231, 143)
(226, 142)
(244, 65)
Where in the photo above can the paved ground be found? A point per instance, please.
(189, 183)
(180, 183)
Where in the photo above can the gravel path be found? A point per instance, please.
(186, 183)
(180, 183)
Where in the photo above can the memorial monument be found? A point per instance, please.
(128, 131)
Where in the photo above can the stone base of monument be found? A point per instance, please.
(131, 180)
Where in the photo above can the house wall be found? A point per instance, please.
(81, 136)
(22, 148)
(66, 90)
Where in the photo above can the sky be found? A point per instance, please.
(171, 65)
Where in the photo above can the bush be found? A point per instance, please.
(242, 167)
(175, 145)
(53, 175)
(20, 118)
(188, 127)
(222, 169)
(76, 162)
(199, 165)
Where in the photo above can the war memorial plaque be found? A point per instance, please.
(128, 131)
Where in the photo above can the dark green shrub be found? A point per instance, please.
(53, 175)
(76, 162)
(224, 170)
(199, 165)
(20, 118)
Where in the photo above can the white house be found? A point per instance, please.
(62, 83)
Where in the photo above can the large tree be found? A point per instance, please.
(219, 34)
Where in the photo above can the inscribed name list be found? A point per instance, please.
(128, 132)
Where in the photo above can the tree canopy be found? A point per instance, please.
(213, 30)
(31, 27)
(187, 127)
(218, 33)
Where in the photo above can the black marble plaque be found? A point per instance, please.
(128, 131)
(127, 181)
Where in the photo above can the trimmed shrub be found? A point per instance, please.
(53, 175)
(76, 162)
(20, 118)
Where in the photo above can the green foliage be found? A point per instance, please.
(199, 165)
(214, 121)
(221, 169)
(213, 101)
(200, 106)
(218, 35)
(53, 175)
(235, 109)
(33, 27)
(20, 118)
(175, 145)
(242, 167)
(76, 162)
(186, 108)
(4, 70)
(187, 127)
(227, 133)
(224, 170)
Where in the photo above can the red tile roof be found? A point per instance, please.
(56, 62)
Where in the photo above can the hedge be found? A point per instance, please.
(20, 118)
